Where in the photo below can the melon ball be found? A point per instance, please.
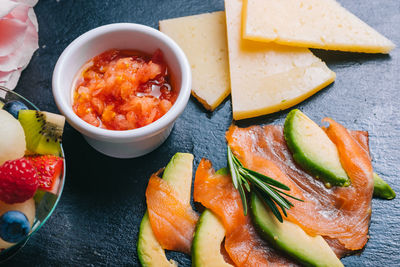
(28, 208)
(12, 138)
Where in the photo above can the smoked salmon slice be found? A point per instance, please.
(341, 214)
(173, 222)
(244, 247)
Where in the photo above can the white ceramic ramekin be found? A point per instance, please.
(129, 143)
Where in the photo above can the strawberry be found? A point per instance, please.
(48, 169)
(18, 181)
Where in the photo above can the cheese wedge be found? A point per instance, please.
(203, 39)
(266, 78)
(323, 24)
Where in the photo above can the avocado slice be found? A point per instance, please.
(313, 150)
(207, 240)
(290, 238)
(382, 189)
(149, 250)
(178, 174)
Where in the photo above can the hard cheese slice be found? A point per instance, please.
(203, 39)
(266, 78)
(321, 24)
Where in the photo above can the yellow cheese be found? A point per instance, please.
(203, 39)
(266, 78)
(321, 24)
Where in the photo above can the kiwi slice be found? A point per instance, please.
(43, 131)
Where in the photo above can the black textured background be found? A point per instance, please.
(97, 220)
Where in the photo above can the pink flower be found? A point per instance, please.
(18, 39)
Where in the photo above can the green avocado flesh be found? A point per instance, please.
(313, 150)
(290, 238)
(382, 189)
(207, 239)
(223, 171)
(178, 174)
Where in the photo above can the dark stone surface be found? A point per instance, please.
(97, 220)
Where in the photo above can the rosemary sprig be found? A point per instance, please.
(268, 189)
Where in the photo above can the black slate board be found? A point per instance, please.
(97, 220)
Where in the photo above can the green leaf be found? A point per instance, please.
(268, 180)
(298, 199)
(244, 200)
(236, 160)
(246, 184)
(284, 211)
(267, 200)
(233, 170)
(264, 186)
(269, 191)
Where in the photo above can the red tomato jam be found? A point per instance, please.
(123, 90)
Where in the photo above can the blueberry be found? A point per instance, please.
(13, 107)
(14, 226)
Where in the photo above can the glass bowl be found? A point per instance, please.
(45, 202)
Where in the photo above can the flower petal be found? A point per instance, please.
(30, 3)
(12, 33)
(18, 39)
(22, 56)
(6, 7)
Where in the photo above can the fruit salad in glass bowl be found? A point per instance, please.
(32, 169)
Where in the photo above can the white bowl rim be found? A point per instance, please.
(154, 127)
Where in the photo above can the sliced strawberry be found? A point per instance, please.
(48, 168)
